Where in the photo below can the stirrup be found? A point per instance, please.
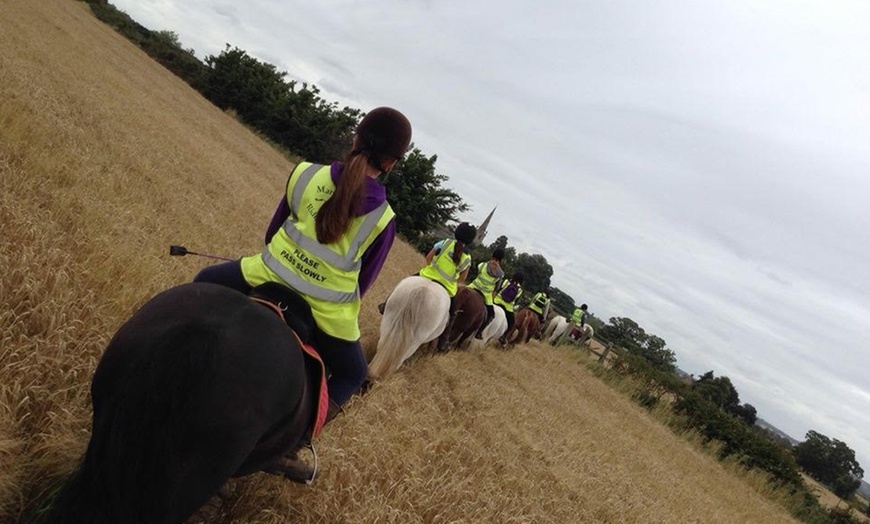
(307, 480)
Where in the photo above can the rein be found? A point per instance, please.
(274, 307)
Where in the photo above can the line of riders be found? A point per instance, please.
(327, 242)
(448, 265)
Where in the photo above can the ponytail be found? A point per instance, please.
(458, 249)
(335, 215)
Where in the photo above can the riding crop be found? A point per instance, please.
(180, 251)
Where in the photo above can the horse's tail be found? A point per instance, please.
(392, 344)
(79, 500)
(136, 436)
(404, 326)
(526, 324)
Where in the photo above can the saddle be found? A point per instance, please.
(296, 313)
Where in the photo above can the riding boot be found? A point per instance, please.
(479, 334)
(332, 411)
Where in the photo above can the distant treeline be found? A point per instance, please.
(294, 117)
(710, 406)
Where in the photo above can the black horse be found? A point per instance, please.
(201, 384)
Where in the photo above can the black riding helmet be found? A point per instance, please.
(518, 277)
(465, 233)
(384, 133)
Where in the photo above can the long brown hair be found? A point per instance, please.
(334, 217)
(458, 249)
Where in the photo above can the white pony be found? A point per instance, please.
(585, 336)
(556, 328)
(494, 329)
(415, 313)
(559, 329)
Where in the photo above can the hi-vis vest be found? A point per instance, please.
(508, 306)
(327, 276)
(577, 318)
(443, 270)
(539, 303)
(484, 282)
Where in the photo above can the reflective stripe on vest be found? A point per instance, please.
(444, 270)
(303, 286)
(342, 266)
(539, 302)
(484, 281)
(444, 256)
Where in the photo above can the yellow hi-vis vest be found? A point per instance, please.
(539, 302)
(327, 276)
(484, 282)
(443, 270)
(508, 306)
(578, 315)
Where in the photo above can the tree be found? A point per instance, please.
(654, 351)
(254, 89)
(421, 203)
(831, 462)
(536, 272)
(748, 414)
(722, 393)
(562, 302)
(718, 390)
(287, 112)
(624, 332)
(508, 262)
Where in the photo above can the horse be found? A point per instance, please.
(200, 384)
(469, 315)
(526, 324)
(555, 328)
(582, 335)
(561, 328)
(416, 312)
(496, 328)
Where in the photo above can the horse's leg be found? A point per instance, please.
(444, 338)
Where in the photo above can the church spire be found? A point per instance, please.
(481, 229)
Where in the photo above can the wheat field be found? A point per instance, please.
(106, 159)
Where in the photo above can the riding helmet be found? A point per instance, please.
(384, 131)
(465, 233)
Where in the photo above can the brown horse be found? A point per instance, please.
(526, 324)
(469, 314)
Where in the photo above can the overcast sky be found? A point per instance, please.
(700, 167)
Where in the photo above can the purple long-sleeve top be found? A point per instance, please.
(374, 257)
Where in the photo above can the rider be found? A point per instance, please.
(489, 275)
(447, 263)
(578, 318)
(508, 293)
(541, 304)
(328, 241)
